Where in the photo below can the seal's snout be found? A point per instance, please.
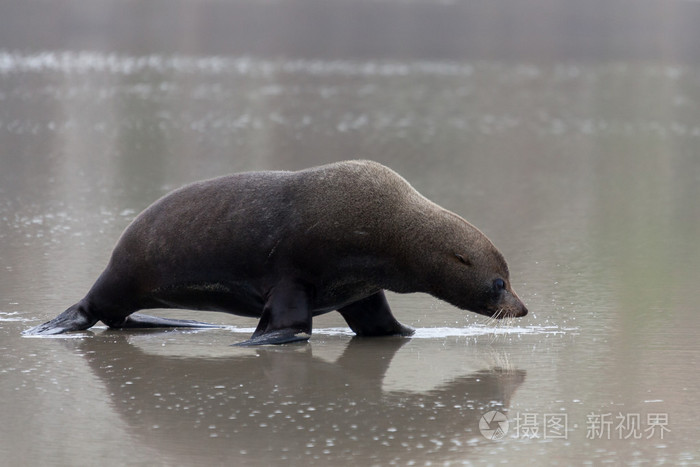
(510, 306)
(511, 312)
(515, 307)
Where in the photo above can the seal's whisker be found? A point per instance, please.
(495, 321)
(487, 321)
(499, 314)
(497, 324)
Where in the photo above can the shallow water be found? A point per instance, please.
(585, 173)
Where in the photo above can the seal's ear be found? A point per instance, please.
(463, 259)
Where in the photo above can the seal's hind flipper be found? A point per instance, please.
(75, 318)
(282, 336)
(139, 321)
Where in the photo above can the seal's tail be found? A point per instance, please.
(75, 318)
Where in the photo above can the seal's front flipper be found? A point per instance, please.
(286, 317)
(372, 316)
(283, 336)
(75, 318)
(139, 321)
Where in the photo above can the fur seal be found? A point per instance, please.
(286, 246)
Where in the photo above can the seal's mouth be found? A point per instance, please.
(509, 312)
(510, 306)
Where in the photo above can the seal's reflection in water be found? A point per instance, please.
(286, 403)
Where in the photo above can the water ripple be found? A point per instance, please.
(90, 62)
(440, 332)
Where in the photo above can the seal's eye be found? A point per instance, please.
(463, 259)
(498, 285)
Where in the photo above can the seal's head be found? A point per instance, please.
(469, 272)
(485, 286)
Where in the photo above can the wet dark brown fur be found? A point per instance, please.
(286, 246)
